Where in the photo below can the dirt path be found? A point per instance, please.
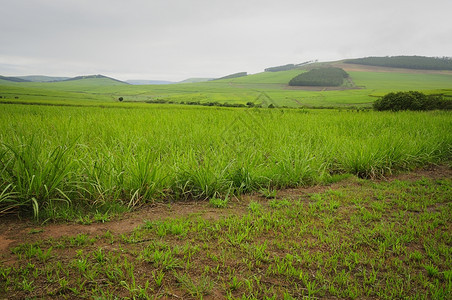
(14, 231)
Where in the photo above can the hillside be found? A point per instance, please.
(364, 85)
(408, 62)
(104, 79)
(195, 80)
(42, 78)
(144, 82)
(13, 79)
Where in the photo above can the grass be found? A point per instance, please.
(57, 162)
(362, 239)
(262, 88)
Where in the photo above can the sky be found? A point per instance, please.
(179, 39)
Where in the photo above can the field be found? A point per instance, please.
(354, 239)
(262, 88)
(53, 156)
(142, 201)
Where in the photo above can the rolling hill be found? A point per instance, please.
(42, 78)
(364, 85)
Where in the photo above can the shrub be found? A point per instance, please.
(411, 100)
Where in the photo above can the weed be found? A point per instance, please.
(199, 288)
(218, 203)
(268, 193)
(278, 204)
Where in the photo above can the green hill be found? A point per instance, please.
(13, 79)
(235, 75)
(408, 62)
(363, 86)
(42, 78)
(98, 79)
(195, 80)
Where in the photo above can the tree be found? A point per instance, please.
(411, 100)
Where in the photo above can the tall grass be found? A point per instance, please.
(53, 156)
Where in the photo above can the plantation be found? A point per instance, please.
(353, 240)
(409, 62)
(109, 190)
(53, 158)
(359, 90)
(320, 77)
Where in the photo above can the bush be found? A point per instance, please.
(411, 100)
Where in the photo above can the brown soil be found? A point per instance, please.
(15, 231)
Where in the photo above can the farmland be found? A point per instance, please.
(252, 202)
(366, 84)
(89, 155)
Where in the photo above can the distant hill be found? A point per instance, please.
(145, 82)
(42, 78)
(13, 79)
(235, 75)
(407, 62)
(95, 77)
(288, 66)
(194, 80)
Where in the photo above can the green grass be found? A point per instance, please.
(262, 88)
(56, 160)
(365, 239)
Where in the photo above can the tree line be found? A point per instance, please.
(288, 66)
(408, 62)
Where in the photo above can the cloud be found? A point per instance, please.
(173, 39)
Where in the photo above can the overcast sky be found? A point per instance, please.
(178, 39)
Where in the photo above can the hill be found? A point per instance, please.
(105, 78)
(408, 62)
(195, 80)
(287, 67)
(235, 75)
(363, 86)
(42, 78)
(13, 79)
(145, 82)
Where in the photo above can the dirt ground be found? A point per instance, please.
(14, 231)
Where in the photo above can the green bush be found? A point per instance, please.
(411, 100)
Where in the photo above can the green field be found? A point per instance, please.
(355, 240)
(102, 199)
(52, 156)
(261, 88)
